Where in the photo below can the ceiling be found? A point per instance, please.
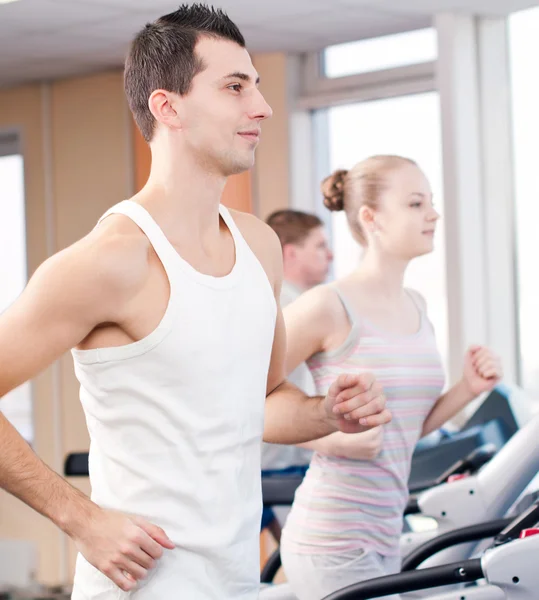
(49, 39)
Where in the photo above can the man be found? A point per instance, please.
(169, 307)
(305, 248)
(306, 261)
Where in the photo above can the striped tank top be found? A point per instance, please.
(346, 504)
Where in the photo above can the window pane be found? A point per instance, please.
(524, 49)
(408, 126)
(17, 405)
(363, 56)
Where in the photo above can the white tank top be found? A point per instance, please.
(175, 423)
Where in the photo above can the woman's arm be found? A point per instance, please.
(313, 322)
(356, 446)
(482, 372)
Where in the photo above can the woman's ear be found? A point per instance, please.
(366, 219)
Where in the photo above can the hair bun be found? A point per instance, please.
(333, 190)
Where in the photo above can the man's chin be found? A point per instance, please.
(240, 167)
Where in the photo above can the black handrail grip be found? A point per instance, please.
(472, 533)
(412, 508)
(76, 464)
(460, 572)
(472, 463)
(529, 518)
(273, 564)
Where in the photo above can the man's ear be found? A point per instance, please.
(162, 105)
(289, 252)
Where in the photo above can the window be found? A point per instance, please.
(17, 405)
(390, 51)
(408, 126)
(524, 49)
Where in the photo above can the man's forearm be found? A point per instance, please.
(447, 406)
(291, 417)
(25, 476)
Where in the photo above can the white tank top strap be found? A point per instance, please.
(230, 223)
(142, 218)
(421, 309)
(239, 241)
(413, 297)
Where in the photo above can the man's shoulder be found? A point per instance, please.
(93, 278)
(250, 225)
(260, 237)
(112, 259)
(121, 245)
(264, 243)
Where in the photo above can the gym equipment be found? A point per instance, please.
(466, 466)
(76, 464)
(508, 566)
(502, 530)
(510, 573)
(493, 424)
(487, 495)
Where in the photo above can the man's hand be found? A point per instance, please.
(124, 548)
(356, 403)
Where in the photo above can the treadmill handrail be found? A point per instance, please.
(76, 465)
(511, 470)
(412, 507)
(279, 490)
(273, 564)
(472, 533)
(470, 463)
(459, 572)
(529, 518)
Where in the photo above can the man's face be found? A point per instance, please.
(222, 113)
(313, 256)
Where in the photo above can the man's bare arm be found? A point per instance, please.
(68, 296)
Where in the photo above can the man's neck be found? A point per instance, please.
(182, 195)
(296, 282)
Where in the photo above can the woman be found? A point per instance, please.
(347, 516)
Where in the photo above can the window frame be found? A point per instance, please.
(318, 91)
(11, 144)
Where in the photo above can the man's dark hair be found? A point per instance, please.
(292, 226)
(162, 56)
